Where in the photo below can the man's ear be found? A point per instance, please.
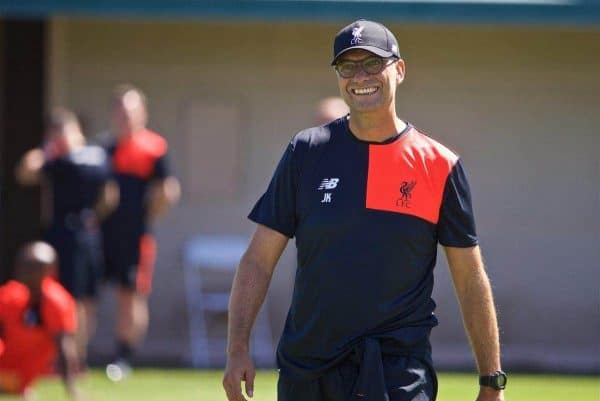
(401, 71)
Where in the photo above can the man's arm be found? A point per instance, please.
(29, 169)
(68, 360)
(474, 295)
(163, 194)
(247, 295)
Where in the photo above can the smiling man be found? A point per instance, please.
(368, 198)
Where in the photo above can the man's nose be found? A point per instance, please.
(360, 75)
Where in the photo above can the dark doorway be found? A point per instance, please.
(22, 85)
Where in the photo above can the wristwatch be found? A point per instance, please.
(496, 380)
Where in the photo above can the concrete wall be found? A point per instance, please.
(519, 104)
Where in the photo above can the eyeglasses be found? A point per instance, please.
(370, 65)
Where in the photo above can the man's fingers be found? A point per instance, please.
(239, 368)
(249, 384)
(232, 384)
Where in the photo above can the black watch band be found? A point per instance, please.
(496, 380)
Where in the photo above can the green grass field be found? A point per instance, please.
(197, 385)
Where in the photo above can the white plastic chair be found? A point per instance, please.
(210, 256)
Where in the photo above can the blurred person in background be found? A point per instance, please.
(77, 194)
(37, 323)
(329, 109)
(147, 190)
(368, 198)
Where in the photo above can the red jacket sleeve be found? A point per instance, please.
(58, 308)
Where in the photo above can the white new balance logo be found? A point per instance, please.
(328, 183)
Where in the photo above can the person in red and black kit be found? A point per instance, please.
(77, 193)
(147, 190)
(37, 324)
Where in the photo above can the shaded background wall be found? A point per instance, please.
(518, 103)
(22, 103)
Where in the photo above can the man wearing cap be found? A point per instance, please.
(368, 198)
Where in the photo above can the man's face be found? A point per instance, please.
(61, 139)
(56, 143)
(129, 113)
(370, 92)
(32, 277)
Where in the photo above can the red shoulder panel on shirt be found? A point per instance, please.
(137, 154)
(58, 309)
(408, 175)
(13, 297)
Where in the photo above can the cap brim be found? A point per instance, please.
(375, 50)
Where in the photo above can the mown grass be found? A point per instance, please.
(205, 385)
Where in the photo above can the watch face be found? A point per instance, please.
(501, 380)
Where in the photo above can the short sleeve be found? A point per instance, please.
(456, 225)
(99, 169)
(59, 311)
(50, 167)
(106, 168)
(4, 305)
(276, 209)
(161, 168)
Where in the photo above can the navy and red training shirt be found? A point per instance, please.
(76, 180)
(137, 160)
(367, 218)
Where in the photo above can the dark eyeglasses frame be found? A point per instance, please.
(361, 63)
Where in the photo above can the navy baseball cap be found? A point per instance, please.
(367, 35)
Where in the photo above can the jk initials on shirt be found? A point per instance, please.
(326, 197)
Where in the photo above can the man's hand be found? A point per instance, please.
(239, 368)
(68, 362)
(75, 394)
(162, 194)
(490, 394)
